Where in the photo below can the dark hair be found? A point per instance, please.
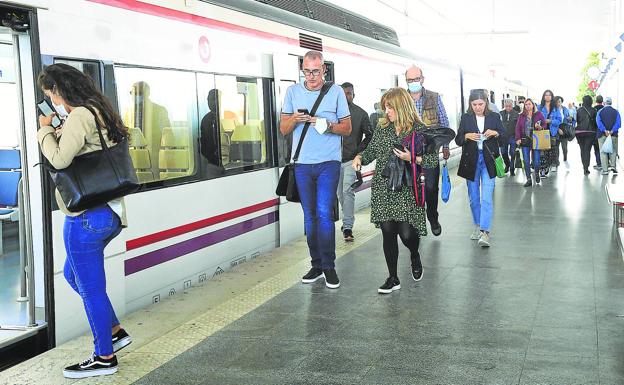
(552, 99)
(521, 98)
(78, 90)
(478, 94)
(599, 99)
(346, 85)
(587, 101)
(523, 112)
(559, 98)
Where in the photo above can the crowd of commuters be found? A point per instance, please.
(332, 139)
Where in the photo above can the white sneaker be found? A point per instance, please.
(475, 234)
(605, 172)
(484, 240)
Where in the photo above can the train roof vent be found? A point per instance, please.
(310, 42)
(330, 14)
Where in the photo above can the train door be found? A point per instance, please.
(23, 318)
(286, 73)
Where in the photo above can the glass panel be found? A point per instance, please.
(91, 69)
(160, 108)
(214, 142)
(283, 142)
(241, 115)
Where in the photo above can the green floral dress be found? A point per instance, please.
(387, 205)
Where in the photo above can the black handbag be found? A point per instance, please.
(94, 178)
(287, 185)
(525, 141)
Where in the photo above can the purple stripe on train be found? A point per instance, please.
(156, 257)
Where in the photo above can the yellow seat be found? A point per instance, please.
(246, 144)
(140, 158)
(137, 139)
(247, 133)
(177, 137)
(144, 176)
(173, 159)
(228, 125)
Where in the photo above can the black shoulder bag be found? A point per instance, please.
(94, 178)
(287, 185)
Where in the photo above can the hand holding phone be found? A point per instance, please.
(303, 111)
(47, 111)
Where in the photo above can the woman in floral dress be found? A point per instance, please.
(395, 212)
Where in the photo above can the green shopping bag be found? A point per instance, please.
(498, 162)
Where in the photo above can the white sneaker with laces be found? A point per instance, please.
(475, 234)
(484, 240)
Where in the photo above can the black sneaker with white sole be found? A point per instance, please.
(391, 284)
(417, 272)
(331, 278)
(91, 367)
(313, 275)
(121, 339)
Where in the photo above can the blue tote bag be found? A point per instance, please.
(446, 184)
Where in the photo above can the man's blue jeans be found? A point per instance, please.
(86, 236)
(527, 153)
(317, 184)
(480, 192)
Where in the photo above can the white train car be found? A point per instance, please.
(208, 198)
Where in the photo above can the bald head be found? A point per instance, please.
(413, 72)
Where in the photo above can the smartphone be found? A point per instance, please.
(303, 111)
(399, 147)
(46, 109)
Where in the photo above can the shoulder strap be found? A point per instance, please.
(324, 90)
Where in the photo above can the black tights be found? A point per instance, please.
(410, 238)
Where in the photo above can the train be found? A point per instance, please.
(203, 206)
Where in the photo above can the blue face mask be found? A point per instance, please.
(414, 87)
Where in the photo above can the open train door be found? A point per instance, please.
(286, 73)
(23, 316)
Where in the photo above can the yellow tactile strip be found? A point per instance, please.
(163, 331)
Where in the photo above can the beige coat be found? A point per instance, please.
(78, 136)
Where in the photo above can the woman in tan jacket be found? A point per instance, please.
(85, 233)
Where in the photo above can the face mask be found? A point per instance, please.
(60, 109)
(521, 106)
(414, 87)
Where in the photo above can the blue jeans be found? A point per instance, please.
(85, 237)
(527, 153)
(480, 193)
(317, 184)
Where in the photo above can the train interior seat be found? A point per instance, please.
(174, 159)
(141, 158)
(246, 143)
(10, 175)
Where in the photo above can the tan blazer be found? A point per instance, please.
(78, 136)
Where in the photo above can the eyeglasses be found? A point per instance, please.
(414, 80)
(314, 73)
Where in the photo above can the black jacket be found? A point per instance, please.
(509, 120)
(470, 151)
(586, 121)
(360, 127)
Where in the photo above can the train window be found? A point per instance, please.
(284, 143)
(89, 68)
(242, 132)
(160, 109)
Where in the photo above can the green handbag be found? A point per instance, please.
(498, 162)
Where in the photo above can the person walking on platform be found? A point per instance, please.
(599, 105)
(355, 143)
(431, 110)
(86, 233)
(530, 119)
(586, 129)
(608, 121)
(317, 167)
(568, 120)
(507, 140)
(395, 211)
(550, 158)
(519, 107)
(478, 133)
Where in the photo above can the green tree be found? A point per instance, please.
(592, 60)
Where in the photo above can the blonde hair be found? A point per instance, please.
(403, 104)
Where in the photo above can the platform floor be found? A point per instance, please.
(543, 305)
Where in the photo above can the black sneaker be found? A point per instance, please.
(417, 272)
(348, 235)
(613, 169)
(436, 229)
(392, 284)
(313, 275)
(91, 367)
(528, 183)
(121, 339)
(331, 279)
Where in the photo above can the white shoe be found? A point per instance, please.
(567, 164)
(484, 240)
(605, 172)
(476, 234)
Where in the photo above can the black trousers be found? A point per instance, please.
(432, 180)
(596, 152)
(564, 148)
(410, 238)
(585, 143)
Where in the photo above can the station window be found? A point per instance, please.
(160, 109)
(89, 68)
(239, 104)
